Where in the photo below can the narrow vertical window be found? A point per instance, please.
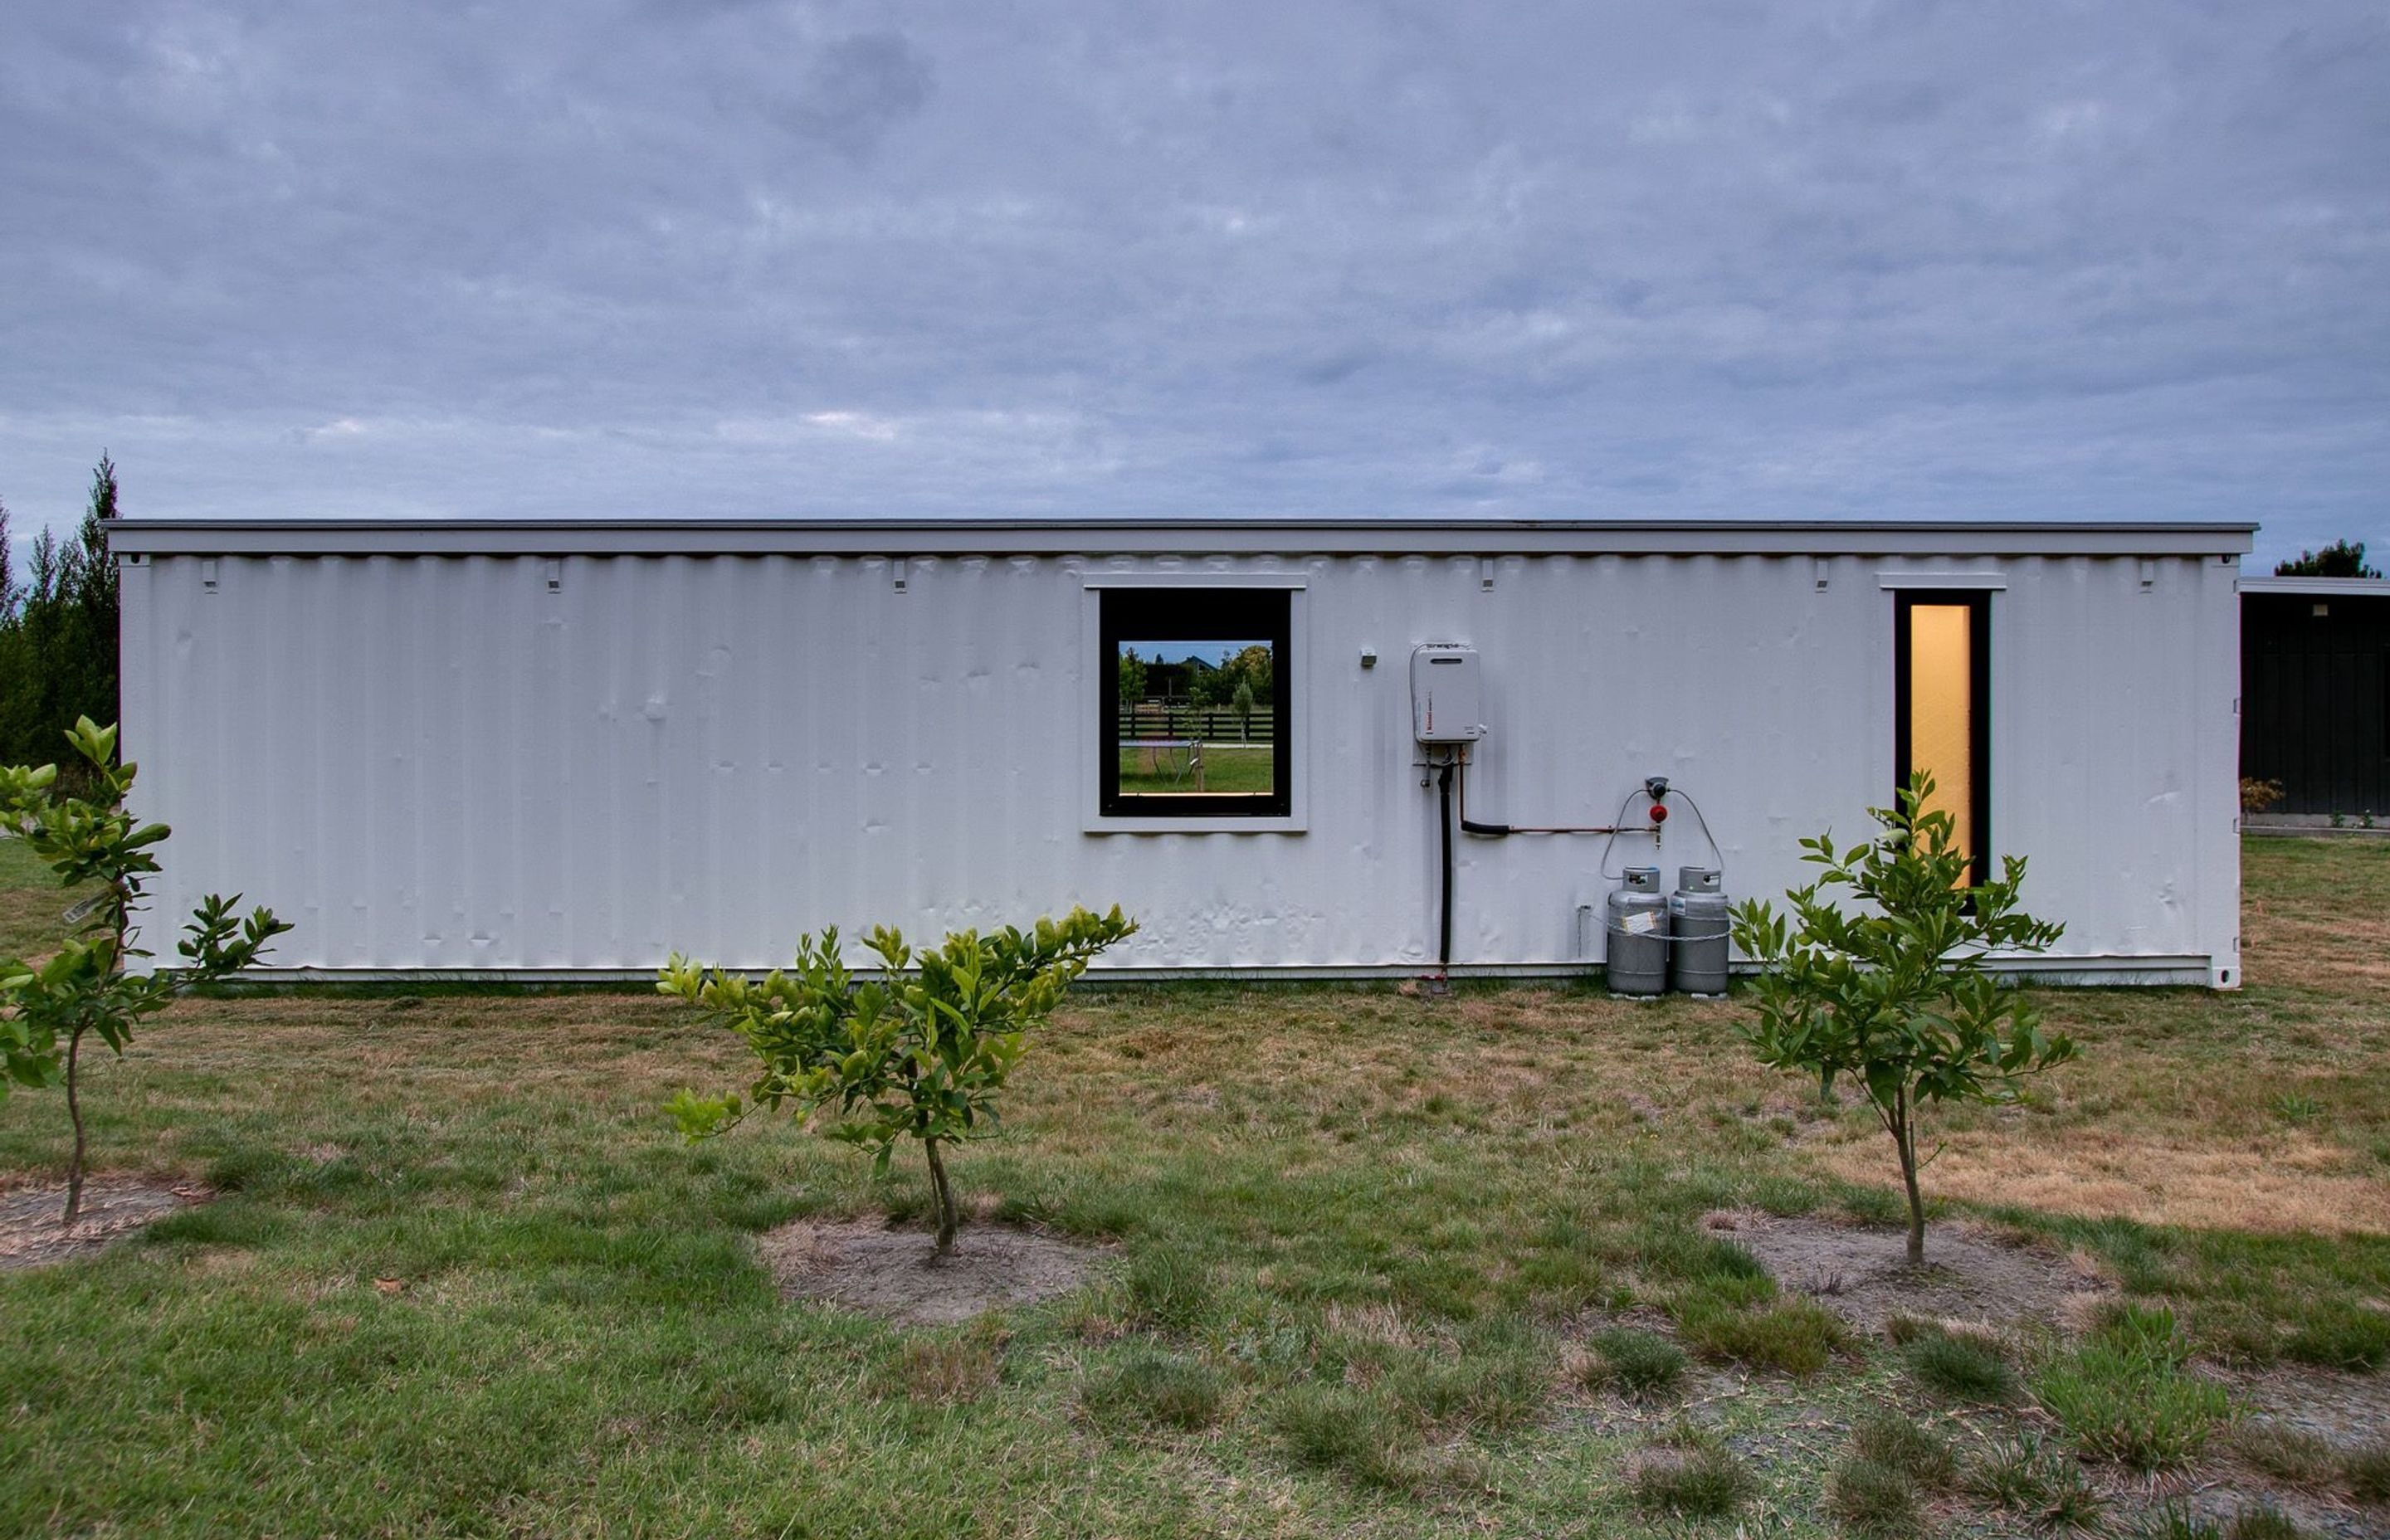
(1942, 676)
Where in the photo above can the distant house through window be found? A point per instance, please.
(1195, 704)
(1942, 688)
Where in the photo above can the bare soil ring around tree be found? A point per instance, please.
(870, 1265)
(113, 1208)
(1972, 1273)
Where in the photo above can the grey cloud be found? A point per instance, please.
(1889, 104)
(2126, 259)
(1334, 368)
(858, 90)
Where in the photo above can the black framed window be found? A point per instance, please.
(1196, 703)
(1942, 688)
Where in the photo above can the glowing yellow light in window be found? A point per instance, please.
(1942, 711)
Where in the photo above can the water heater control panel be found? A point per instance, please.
(1447, 695)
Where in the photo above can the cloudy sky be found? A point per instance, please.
(2113, 258)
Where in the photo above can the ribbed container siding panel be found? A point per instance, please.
(2316, 673)
(589, 762)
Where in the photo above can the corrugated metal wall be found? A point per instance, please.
(445, 762)
(2315, 678)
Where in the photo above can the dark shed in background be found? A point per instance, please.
(2315, 692)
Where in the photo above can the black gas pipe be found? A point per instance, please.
(1443, 944)
(1496, 831)
(1655, 789)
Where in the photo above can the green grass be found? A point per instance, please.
(1897, 1442)
(1874, 1498)
(1640, 1363)
(2173, 1522)
(1227, 767)
(2259, 1522)
(2289, 1455)
(31, 903)
(2366, 1470)
(2262, 1522)
(1796, 1337)
(1156, 1390)
(933, 1370)
(1690, 1474)
(1363, 1441)
(2127, 1394)
(1892, 1461)
(2022, 1477)
(1355, 1234)
(1961, 1366)
(2340, 1335)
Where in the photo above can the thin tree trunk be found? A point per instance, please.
(74, 1111)
(942, 1198)
(118, 926)
(1905, 1135)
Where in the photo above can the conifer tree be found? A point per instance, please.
(58, 630)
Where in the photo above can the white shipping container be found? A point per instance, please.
(567, 749)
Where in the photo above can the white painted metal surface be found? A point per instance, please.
(561, 762)
(1170, 538)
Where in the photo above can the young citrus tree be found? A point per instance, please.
(48, 1008)
(1892, 994)
(922, 1054)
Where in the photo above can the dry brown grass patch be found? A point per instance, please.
(1372, 1322)
(2287, 1184)
(940, 1371)
(2345, 950)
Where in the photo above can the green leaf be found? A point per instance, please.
(82, 989)
(917, 1055)
(1877, 972)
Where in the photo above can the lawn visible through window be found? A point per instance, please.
(1197, 717)
(1195, 708)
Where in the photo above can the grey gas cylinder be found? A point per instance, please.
(1635, 921)
(1698, 926)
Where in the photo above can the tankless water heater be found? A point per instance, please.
(1446, 704)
